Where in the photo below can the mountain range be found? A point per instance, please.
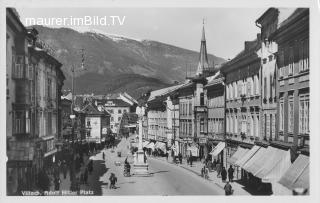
(116, 63)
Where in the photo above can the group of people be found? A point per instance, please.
(221, 172)
(84, 175)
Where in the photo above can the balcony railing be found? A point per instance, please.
(200, 108)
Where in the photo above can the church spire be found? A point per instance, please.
(203, 57)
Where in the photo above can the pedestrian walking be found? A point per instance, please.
(202, 171)
(206, 173)
(180, 157)
(57, 183)
(90, 166)
(113, 179)
(230, 173)
(214, 164)
(167, 155)
(64, 169)
(224, 174)
(218, 168)
(85, 176)
(103, 155)
(190, 160)
(228, 189)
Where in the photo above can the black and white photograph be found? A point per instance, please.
(130, 100)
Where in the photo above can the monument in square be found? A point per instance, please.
(140, 165)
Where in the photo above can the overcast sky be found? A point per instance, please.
(226, 28)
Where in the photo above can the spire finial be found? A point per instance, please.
(203, 38)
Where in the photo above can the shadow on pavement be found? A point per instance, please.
(99, 169)
(159, 172)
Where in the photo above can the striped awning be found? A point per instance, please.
(256, 161)
(150, 146)
(297, 176)
(161, 146)
(145, 143)
(237, 155)
(220, 146)
(247, 156)
(275, 165)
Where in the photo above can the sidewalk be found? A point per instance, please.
(66, 182)
(196, 169)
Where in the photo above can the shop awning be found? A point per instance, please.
(161, 146)
(237, 155)
(193, 150)
(220, 146)
(297, 176)
(145, 143)
(247, 156)
(256, 161)
(275, 165)
(150, 146)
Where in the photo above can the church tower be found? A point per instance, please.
(203, 65)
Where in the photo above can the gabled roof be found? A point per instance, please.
(116, 102)
(164, 91)
(91, 109)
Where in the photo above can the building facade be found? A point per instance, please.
(243, 100)
(292, 37)
(116, 108)
(215, 101)
(96, 123)
(267, 53)
(34, 81)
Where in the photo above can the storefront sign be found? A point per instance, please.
(104, 131)
(202, 140)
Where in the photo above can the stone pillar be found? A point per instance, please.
(140, 166)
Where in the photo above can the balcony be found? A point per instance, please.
(200, 109)
(23, 95)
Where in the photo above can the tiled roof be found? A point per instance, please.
(163, 91)
(116, 102)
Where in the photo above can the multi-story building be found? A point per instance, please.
(243, 101)
(193, 109)
(292, 37)
(161, 114)
(96, 123)
(215, 101)
(267, 53)
(34, 81)
(116, 108)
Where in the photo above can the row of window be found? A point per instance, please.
(243, 123)
(186, 108)
(269, 86)
(287, 58)
(303, 114)
(119, 111)
(186, 127)
(216, 102)
(215, 125)
(248, 87)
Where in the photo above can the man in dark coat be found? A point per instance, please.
(56, 183)
(228, 189)
(85, 176)
(180, 157)
(224, 174)
(230, 173)
(113, 179)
